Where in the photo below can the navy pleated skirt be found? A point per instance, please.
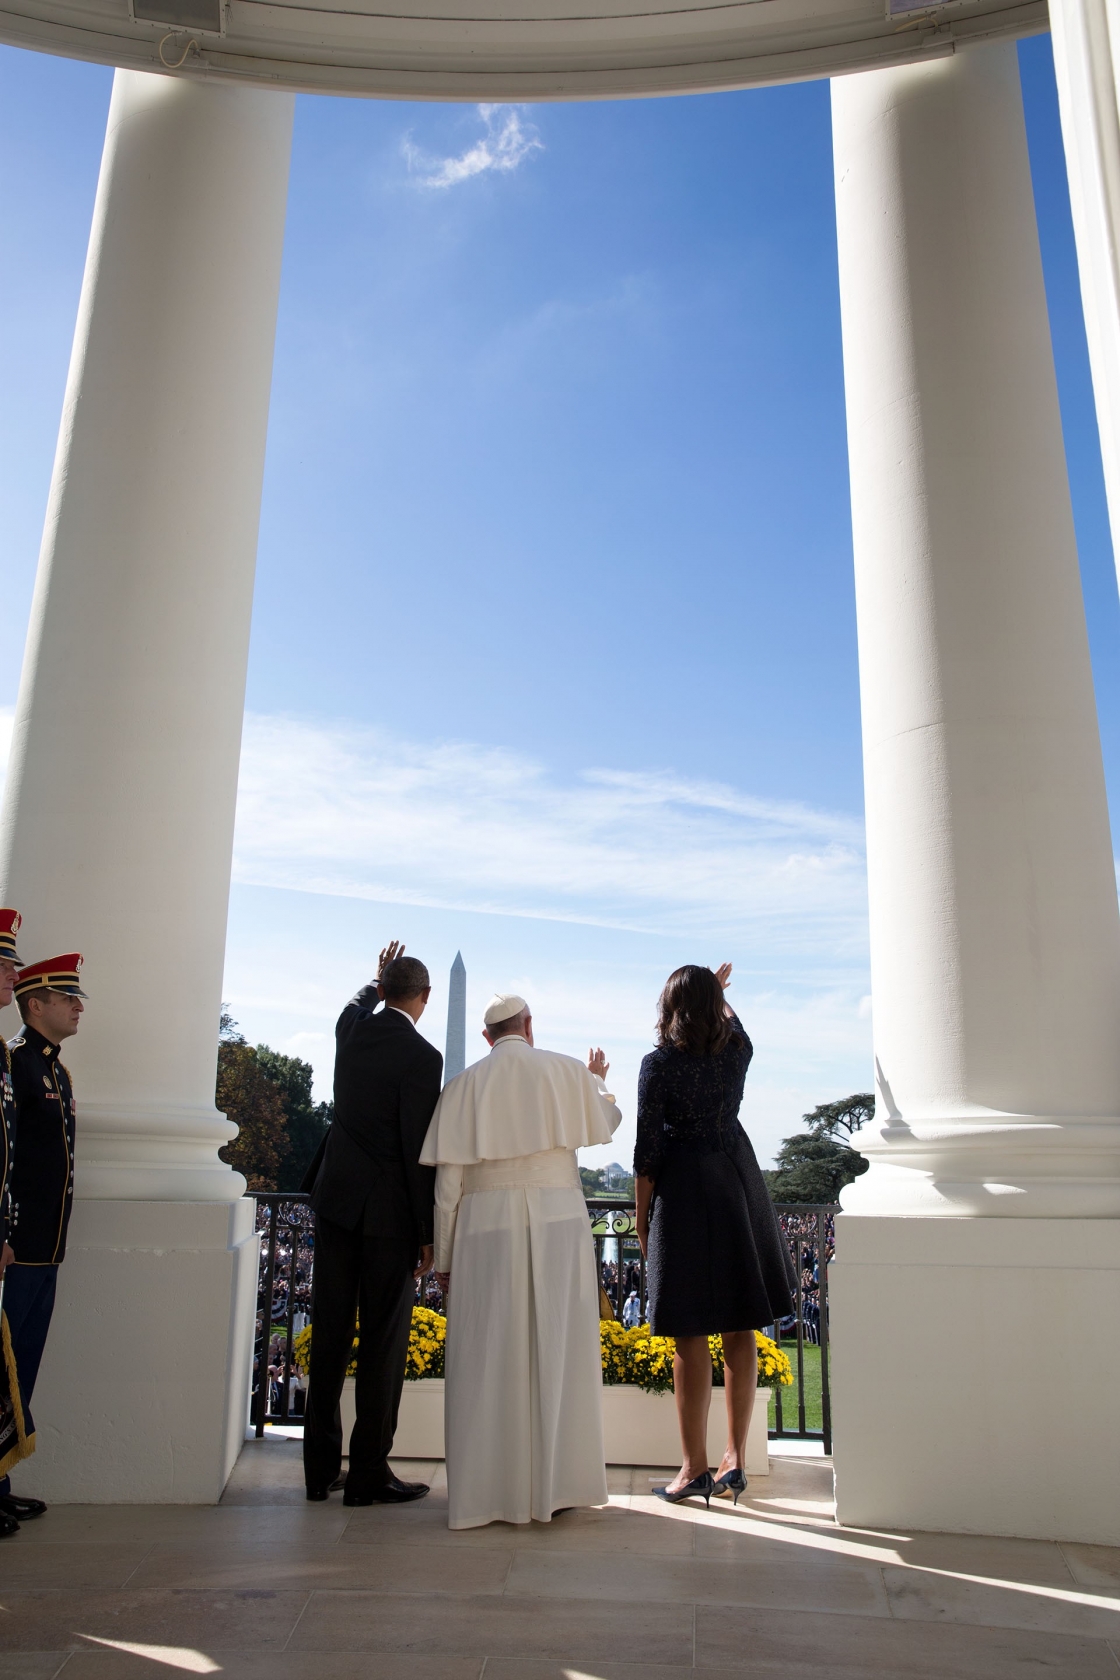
(717, 1257)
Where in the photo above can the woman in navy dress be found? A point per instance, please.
(717, 1261)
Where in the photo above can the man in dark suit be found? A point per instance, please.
(373, 1206)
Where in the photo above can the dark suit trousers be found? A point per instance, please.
(28, 1304)
(367, 1277)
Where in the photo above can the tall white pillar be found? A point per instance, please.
(118, 816)
(995, 935)
(1087, 66)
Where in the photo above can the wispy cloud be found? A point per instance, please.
(344, 811)
(457, 825)
(507, 141)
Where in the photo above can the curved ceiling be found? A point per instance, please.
(508, 49)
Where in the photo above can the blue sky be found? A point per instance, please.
(553, 652)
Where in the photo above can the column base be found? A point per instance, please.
(975, 1371)
(142, 1396)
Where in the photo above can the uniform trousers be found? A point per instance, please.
(365, 1276)
(29, 1293)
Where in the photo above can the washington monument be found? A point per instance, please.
(455, 1060)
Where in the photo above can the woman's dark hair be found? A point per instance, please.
(691, 1014)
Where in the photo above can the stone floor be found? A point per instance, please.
(267, 1587)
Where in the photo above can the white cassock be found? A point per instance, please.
(522, 1405)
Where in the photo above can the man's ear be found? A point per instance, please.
(381, 991)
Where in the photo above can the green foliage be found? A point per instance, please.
(815, 1165)
(268, 1097)
(246, 1095)
(847, 1115)
(305, 1120)
(594, 1181)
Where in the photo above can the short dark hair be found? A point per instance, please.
(691, 1014)
(404, 977)
(24, 998)
(502, 1029)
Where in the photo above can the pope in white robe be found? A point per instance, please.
(522, 1403)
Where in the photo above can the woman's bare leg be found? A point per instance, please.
(740, 1375)
(692, 1384)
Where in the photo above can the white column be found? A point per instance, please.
(1086, 66)
(118, 815)
(995, 936)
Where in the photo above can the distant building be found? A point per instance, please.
(455, 1056)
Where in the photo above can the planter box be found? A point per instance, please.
(419, 1421)
(638, 1428)
(641, 1428)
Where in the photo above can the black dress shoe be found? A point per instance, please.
(392, 1492)
(317, 1493)
(8, 1525)
(20, 1509)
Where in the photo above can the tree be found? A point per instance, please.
(847, 1115)
(815, 1165)
(305, 1119)
(249, 1098)
(595, 1183)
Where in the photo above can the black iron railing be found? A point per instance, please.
(810, 1231)
(285, 1223)
(286, 1226)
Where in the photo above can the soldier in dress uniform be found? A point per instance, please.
(13, 1437)
(9, 974)
(49, 998)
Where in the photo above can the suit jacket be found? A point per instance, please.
(386, 1085)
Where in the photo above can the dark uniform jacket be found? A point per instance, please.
(7, 1141)
(386, 1084)
(42, 1175)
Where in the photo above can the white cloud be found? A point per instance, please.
(455, 825)
(505, 145)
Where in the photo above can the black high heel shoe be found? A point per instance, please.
(701, 1486)
(732, 1481)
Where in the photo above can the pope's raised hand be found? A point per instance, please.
(597, 1063)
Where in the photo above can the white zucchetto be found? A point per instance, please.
(502, 1007)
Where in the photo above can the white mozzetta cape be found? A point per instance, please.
(518, 1101)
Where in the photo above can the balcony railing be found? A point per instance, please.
(286, 1226)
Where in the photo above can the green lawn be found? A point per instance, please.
(812, 1367)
